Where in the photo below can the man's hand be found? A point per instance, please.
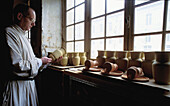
(57, 60)
(46, 60)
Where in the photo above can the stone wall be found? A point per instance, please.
(51, 24)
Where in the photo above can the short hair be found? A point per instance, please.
(20, 8)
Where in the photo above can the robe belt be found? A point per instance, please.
(21, 78)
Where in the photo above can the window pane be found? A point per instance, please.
(168, 18)
(115, 24)
(98, 7)
(147, 43)
(113, 5)
(70, 17)
(95, 46)
(149, 18)
(79, 13)
(115, 44)
(79, 1)
(79, 31)
(70, 46)
(70, 4)
(140, 1)
(167, 43)
(79, 46)
(97, 27)
(70, 33)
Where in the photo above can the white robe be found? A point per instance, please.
(21, 92)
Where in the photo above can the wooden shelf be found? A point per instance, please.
(147, 92)
(77, 72)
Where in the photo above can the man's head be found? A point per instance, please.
(24, 16)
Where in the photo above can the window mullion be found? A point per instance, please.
(105, 24)
(74, 25)
(129, 25)
(164, 24)
(87, 30)
(64, 24)
(131, 34)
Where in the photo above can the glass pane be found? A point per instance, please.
(168, 18)
(70, 46)
(79, 13)
(98, 7)
(95, 46)
(70, 33)
(113, 5)
(167, 43)
(79, 46)
(97, 29)
(70, 4)
(79, 1)
(79, 31)
(149, 18)
(140, 1)
(147, 43)
(70, 17)
(115, 44)
(115, 24)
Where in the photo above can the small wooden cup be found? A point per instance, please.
(90, 64)
(134, 72)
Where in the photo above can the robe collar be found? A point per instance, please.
(20, 30)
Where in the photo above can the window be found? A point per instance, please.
(167, 40)
(141, 43)
(75, 17)
(107, 25)
(117, 25)
(149, 18)
(148, 23)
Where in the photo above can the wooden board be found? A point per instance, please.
(140, 79)
(113, 73)
(66, 67)
(93, 69)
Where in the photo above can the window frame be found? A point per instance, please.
(129, 16)
(74, 23)
(163, 32)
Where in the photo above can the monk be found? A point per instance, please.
(20, 89)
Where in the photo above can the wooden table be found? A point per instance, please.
(93, 88)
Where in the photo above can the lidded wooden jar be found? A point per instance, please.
(110, 56)
(70, 57)
(57, 53)
(83, 58)
(64, 60)
(122, 60)
(76, 59)
(135, 58)
(149, 58)
(101, 58)
(161, 68)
